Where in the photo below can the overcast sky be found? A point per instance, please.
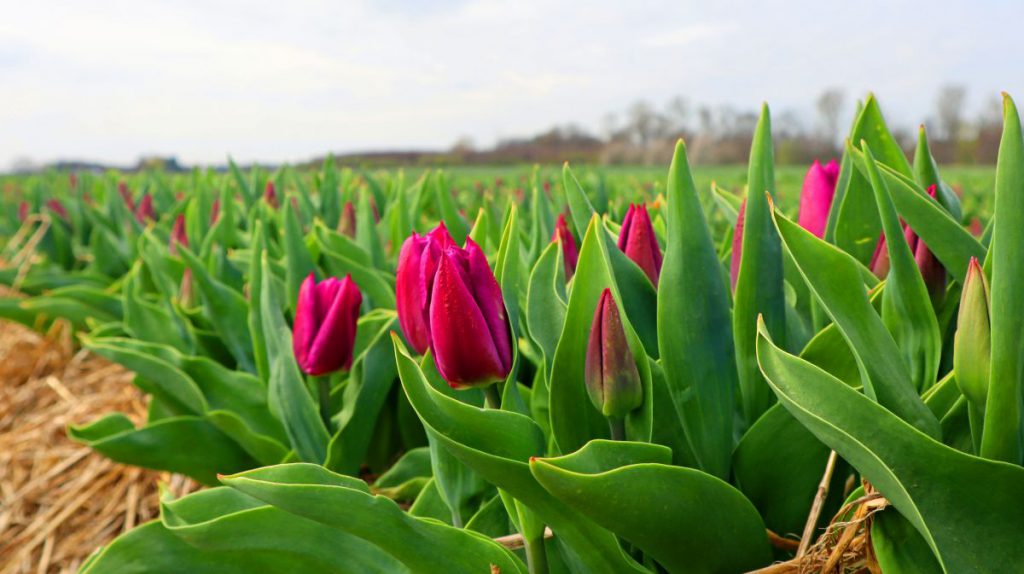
(280, 81)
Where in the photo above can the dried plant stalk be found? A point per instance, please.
(59, 501)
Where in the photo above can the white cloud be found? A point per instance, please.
(111, 79)
(691, 34)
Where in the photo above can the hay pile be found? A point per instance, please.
(59, 501)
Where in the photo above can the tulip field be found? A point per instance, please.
(560, 369)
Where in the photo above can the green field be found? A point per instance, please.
(974, 183)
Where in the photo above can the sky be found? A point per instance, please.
(286, 81)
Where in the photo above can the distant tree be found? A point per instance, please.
(830, 106)
(950, 110)
(24, 164)
(463, 145)
(678, 113)
(987, 130)
(645, 124)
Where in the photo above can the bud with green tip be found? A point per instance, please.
(612, 379)
(972, 345)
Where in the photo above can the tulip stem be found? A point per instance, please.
(617, 426)
(492, 397)
(324, 386)
(536, 555)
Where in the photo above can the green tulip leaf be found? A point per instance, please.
(289, 401)
(778, 465)
(834, 278)
(498, 445)
(574, 419)
(906, 308)
(759, 285)
(1003, 438)
(857, 225)
(370, 381)
(952, 245)
(227, 310)
(629, 489)
(694, 326)
(344, 503)
(189, 445)
(964, 507)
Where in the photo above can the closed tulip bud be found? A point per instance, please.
(470, 335)
(215, 211)
(975, 227)
(612, 379)
(178, 235)
(932, 271)
(23, 211)
(325, 324)
(637, 241)
(373, 208)
(737, 245)
(145, 209)
(880, 259)
(972, 343)
(414, 279)
(270, 195)
(570, 254)
(57, 207)
(816, 196)
(126, 195)
(73, 180)
(347, 223)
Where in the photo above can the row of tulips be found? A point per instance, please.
(571, 382)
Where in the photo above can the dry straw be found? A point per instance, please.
(59, 501)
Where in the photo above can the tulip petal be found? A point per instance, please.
(460, 337)
(491, 302)
(570, 253)
(638, 242)
(332, 347)
(593, 366)
(409, 296)
(305, 328)
(816, 197)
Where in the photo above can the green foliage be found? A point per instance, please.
(383, 467)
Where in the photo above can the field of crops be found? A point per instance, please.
(758, 368)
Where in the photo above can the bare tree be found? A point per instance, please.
(610, 126)
(830, 105)
(950, 109)
(678, 112)
(645, 124)
(463, 145)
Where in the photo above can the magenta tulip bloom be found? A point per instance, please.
(932, 271)
(570, 255)
(469, 327)
(270, 195)
(414, 280)
(737, 245)
(145, 209)
(610, 373)
(325, 324)
(816, 196)
(637, 241)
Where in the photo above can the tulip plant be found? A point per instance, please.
(573, 381)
